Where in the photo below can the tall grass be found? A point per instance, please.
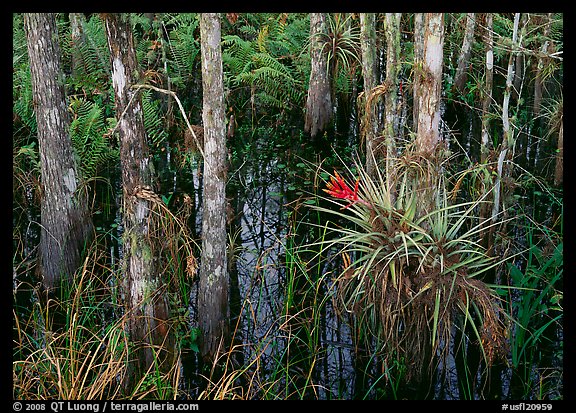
(64, 347)
(75, 345)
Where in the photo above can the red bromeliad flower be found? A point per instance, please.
(338, 188)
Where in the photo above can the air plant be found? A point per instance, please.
(416, 261)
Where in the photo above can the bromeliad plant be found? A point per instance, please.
(411, 265)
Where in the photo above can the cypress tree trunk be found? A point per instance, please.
(464, 56)
(370, 75)
(66, 224)
(391, 116)
(213, 305)
(417, 68)
(319, 101)
(508, 133)
(146, 304)
(485, 144)
(430, 83)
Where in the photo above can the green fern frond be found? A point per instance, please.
(250, 64)
(183, 48)
(87, 131)
(92, 57)
(153, 120)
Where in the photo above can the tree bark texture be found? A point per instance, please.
(66, 224)
(370, 75)
(464, 56)
(485, 144)
(538, 82)
(391, 115)
(145, 302)
(418, 58)
(319, 100)
(430, 84)
(507, 133)
(213, 305)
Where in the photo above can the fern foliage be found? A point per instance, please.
(90, 72)
(264, 59)
(22, 100)
(88, 132)
(183, 46)
(153, 119)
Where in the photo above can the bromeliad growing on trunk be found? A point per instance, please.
(411, 265)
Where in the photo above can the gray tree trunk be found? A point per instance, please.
(417, 68)
(213, 305)
(464, 56)
(538, 82)
(146, 303)
(391, 115)
(485, 144)
(430, 85)
(508, 133)
(319, 100)
(370, 75)
(66, 224)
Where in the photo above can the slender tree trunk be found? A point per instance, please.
(146, 303)
(508, 134)
(392, 32)
(485, 144)
(430, 87)
(213, 305)
(418, 62)
(538, 83)
(319, 101)
(464, 56)
(537, 122)
(370, 75)
(66, 224)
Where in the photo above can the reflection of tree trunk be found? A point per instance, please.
(370, 75)
(213, 305)
(146, 301)
(66, 225)
(464, 56)
(319, 101)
